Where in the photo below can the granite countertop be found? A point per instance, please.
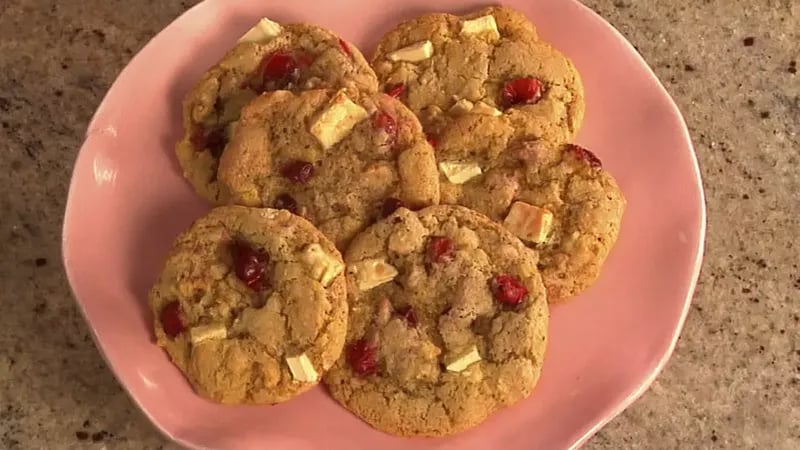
(734, 381)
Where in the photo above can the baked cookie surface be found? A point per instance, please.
(488, 62)
(338, 159)
(270, 56)
(556, 198)
(251, 305)
(448, 322)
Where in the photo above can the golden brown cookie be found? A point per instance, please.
(448, 322)
(556, 198)
(489, 62)
(338, 159)
(251, 305)
(269, 57)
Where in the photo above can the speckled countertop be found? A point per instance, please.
(734, 381)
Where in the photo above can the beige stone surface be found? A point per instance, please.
(734, 382)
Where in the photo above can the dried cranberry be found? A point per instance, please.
(431, 140)
(216, 142)
(213, 140)
(287, 202)
(508, 290)
(345, 48)
(409, 315)
(171, 320)
(440, 249)
(250, 265)
(390, 205)
(363, 358)
(279, 65)
(278, 70)
(522, 91)
(298, 171)
(395, 90)
(585, 155)
(198, 139)
(386, 123)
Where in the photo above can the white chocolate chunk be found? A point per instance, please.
(337, 120)
(324, 267)
(483, 108)
(462, 106)
(459, 173)
(466, 238)
(462, 362)
(528, 222)
(205, 332)
(483, 24)
(372, 273)
(417, 52)
(264, 31)
(302, 369)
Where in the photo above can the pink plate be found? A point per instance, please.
(128, 201)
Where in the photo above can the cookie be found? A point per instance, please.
(448, 322)
(338, 159)
(251, 305)
(269, 57)
(556, 198)
(489, 62)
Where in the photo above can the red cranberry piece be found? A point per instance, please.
(287, 202)
(431, 140)
(385, 122)
(198, 139)
(298, 171)
(363, 358)
(395, 90)
(171, 320)
(216, 141)
(522, 91)
(409, 315)
(585, 155)
(440, 249)
(279, 65)
(387, 125)
(278, 70)
(250, 265)
(508, 290)
(345, 48)
(390, 205)
(212, 140)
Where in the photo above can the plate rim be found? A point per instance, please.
(697, 264)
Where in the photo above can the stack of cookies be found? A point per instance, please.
(395, 230)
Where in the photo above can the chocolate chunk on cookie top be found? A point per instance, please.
(448, 322)
(490, 62)
(251, 305)
(270, 56)
(557, 198)
(339, 159)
